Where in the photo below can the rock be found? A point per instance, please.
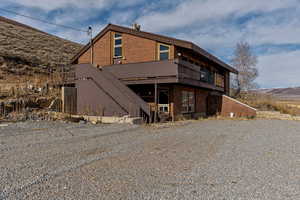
(94, 122)
(82, 122)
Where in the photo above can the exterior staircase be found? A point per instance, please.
(99, 92)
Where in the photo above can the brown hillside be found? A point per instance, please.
(283, 93)
(25, 50)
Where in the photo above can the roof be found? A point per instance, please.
(159, 38)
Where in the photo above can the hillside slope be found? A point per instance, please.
(26, 50)
(283, 93)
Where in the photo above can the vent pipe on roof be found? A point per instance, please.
(136, 27)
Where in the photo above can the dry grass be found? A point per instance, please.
(27, 86)
(265, 102)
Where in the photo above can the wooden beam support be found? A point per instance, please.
(155, 100)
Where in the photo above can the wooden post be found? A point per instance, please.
(172, 111)
(155, 101)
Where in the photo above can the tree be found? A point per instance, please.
(245, 62)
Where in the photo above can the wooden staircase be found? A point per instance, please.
(107, 91)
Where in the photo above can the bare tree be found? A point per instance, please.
(245, 62)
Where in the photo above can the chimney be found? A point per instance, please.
(136, 27)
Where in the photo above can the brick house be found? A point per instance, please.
(125, 69)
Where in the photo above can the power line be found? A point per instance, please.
(43, 21)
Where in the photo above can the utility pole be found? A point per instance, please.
(90, 33)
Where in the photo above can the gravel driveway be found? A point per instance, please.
(257, 159)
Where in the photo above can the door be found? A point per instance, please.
(163, 101)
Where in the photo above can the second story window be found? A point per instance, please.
(164, 52)
(211, 77)
(204, 75)
(220, 80)
(117, 45)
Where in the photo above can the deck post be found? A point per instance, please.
(155, 102)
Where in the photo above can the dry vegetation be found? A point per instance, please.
(30, 59)
(265, 102)
(33, 48)
(31, 66)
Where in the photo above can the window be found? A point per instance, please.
(204, 75)
(184, 58)
(211, 77)
(220, 80)
(164, 52)
(118, 45)
(188, 101)
(185, 101)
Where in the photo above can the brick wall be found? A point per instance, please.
(85, 58)
(102, 52)
(222, 105)
(135, 49)
(230, 105)
(200, 99)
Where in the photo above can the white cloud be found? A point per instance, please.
(198, 11)
(79, 37)
(122, 18)
(74, 13)
(82, 4)
(264, 31)
(214, 24)
(279, 70)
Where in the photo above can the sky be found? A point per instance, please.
(271, 27)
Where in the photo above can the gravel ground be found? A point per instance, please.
(257, 159)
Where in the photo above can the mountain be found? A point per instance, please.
(283, 93)
(25, 50)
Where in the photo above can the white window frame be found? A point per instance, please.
(164, 51)
(190, 104)
(119, 45)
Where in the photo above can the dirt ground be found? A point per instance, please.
(212, 159)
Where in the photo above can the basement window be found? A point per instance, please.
(117, 45)
(164, 52)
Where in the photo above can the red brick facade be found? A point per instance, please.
(135, 49)
(102, 52)
(200, 100)
(237, 109)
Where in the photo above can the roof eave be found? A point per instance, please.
(211, 57)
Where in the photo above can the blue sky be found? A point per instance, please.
(271, 27)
